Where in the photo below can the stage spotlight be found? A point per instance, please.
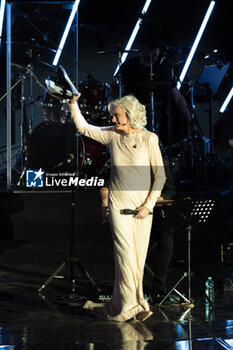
(227, 101)
(195, 44)
(2, 8)
(133, 35)
(65, 34)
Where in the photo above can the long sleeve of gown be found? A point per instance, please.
(100, 134)
(159, 176)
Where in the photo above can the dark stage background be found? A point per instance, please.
(44, 220)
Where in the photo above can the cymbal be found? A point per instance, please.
(19, 42)
(31, 44)
(18, 57)
(118, 50)
(44, 64)
(37, 61)
(45, 48)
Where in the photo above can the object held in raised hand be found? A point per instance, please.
(69, 82)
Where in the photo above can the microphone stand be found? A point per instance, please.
(72, 260)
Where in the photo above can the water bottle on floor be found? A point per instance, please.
(209, 289)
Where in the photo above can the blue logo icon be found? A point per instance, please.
(35, 178)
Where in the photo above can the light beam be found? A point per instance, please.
(227, 101)
(2, 9)
(133, 35)
(195, 44)
(65, 34)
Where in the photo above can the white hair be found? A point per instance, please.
(135, 111)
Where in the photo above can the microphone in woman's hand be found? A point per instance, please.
(73, 89)
(131, 212)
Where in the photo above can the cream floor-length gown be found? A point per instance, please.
(130, 186)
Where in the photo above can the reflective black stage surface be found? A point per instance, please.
(54, 319)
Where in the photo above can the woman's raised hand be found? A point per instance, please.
(74, 99)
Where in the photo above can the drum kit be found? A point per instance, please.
(54, 144)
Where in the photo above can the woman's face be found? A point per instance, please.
(120, 118)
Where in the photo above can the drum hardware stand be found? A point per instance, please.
(72, 260)
(169, 110)
(20, 80)
(12, 87)
(25, 129)
(23, 124)
(191, 211)
(152, 102)
(31, 109)
(192, 109)
(119, 76)
(196, 132)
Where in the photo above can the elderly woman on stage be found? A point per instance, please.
(136, 180)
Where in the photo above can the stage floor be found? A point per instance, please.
(55, 318)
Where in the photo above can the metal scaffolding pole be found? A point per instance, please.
(8, 79)
(76, 52)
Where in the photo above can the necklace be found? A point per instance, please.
(136, 141)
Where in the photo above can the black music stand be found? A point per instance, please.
(210, 77)
(192, 211)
